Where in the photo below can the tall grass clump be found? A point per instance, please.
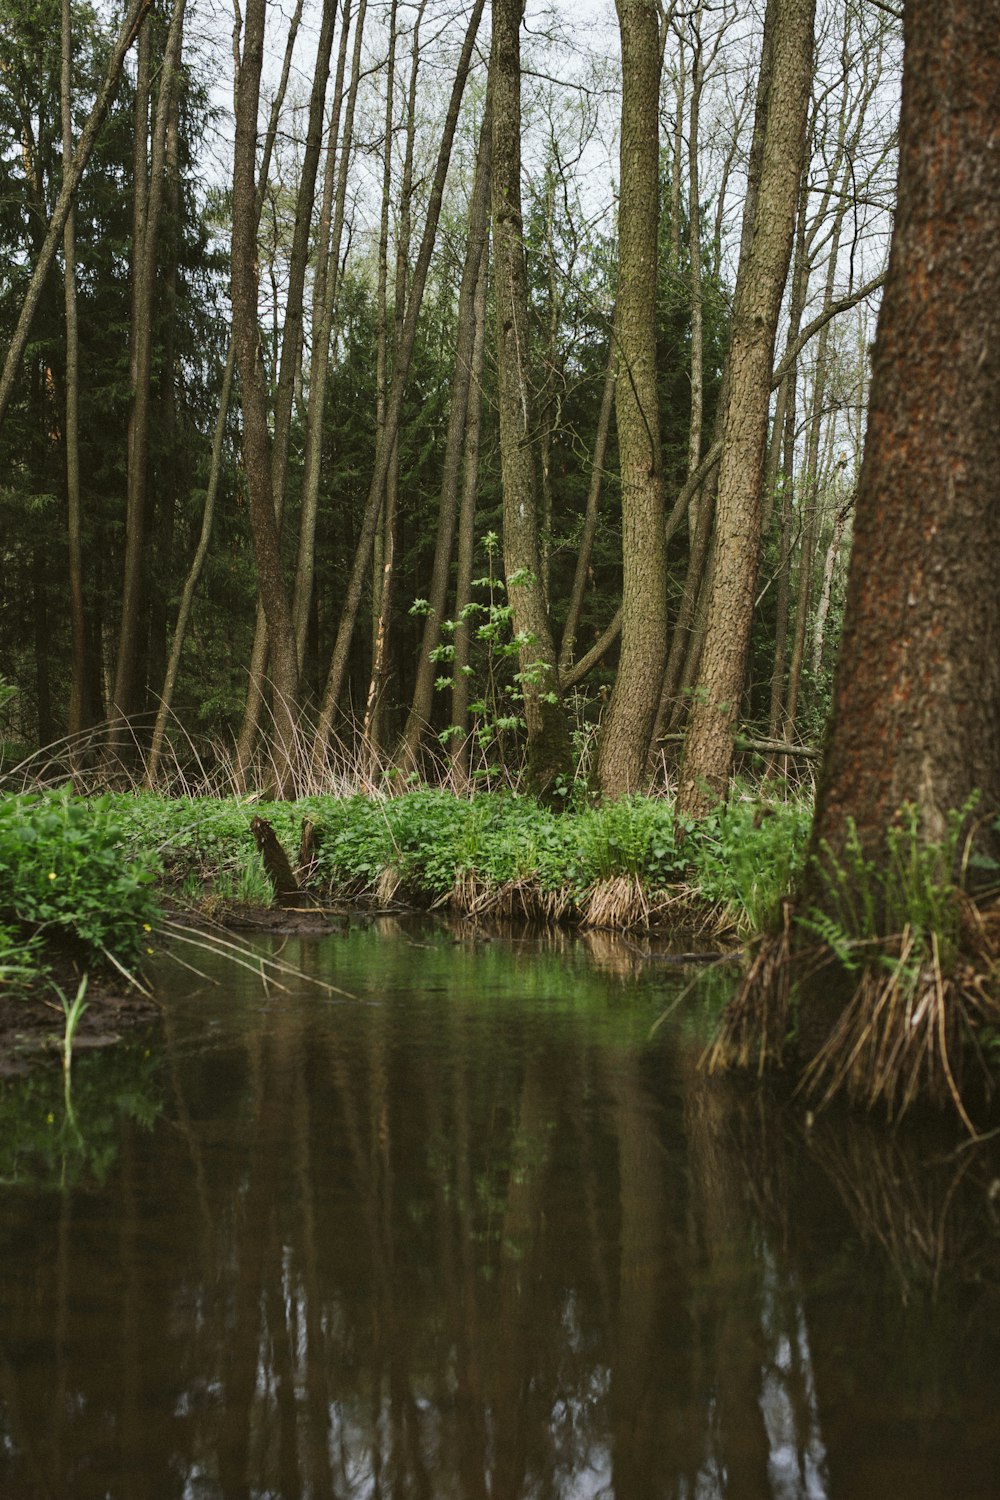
(902, 960)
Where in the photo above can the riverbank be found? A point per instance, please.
(92, 885)
(628, 865)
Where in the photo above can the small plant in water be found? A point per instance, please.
(73, 1012)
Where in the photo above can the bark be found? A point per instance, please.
(385, 537)
(130, 29)
(465, 339)
(382, 352)
(376, 490)
(192, 579)
(324, 304)
(694, 244)
(459, 742)
(548, 744)
(291, 346)
(256, 441)
(567, 648)
(826, 591)
(709, 749)
(917, 699)
(145, 241)
(628, 724)
(77, 609)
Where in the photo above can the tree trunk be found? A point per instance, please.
(567, 648)
(548, 748)
(376, 490)
(324, 304)
(77, 609)
(916, 713)
(384, 568)
(72, 173)
(459, 743)
(145, 240)
(191, 582)
(708, 752)
(628, 724)
(291, 346)
(465, 337)
(256, 440)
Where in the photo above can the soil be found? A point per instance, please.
(32, 1025)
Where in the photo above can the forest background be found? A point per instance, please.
(294, 556)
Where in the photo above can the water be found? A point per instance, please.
(473, 1232)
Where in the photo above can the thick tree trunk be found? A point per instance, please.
(708, 752)
(916, 713)
(548, 750)
(628, 725)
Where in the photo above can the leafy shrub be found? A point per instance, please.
(64, 876)
(631, 836)
(747, 855)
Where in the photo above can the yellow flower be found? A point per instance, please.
(146, 927)
(52, 874)
(149, 950)
(50, 1119)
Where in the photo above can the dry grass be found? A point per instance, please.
(753, 1032)
(522, 899)
(910, 1031)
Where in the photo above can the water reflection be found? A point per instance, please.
(472, 1234)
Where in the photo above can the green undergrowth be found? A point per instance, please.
(81, 879)
(74, 889)
(625, 863)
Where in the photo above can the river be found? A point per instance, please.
(467, 1224)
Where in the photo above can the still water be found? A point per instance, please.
(469, 1230)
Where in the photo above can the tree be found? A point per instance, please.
(708, 751)
(548, 747)
(915, 731)
(256, 439)
(629, 723)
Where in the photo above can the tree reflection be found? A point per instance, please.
(474, 1235)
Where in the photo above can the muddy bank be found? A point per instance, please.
(32, 1023)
